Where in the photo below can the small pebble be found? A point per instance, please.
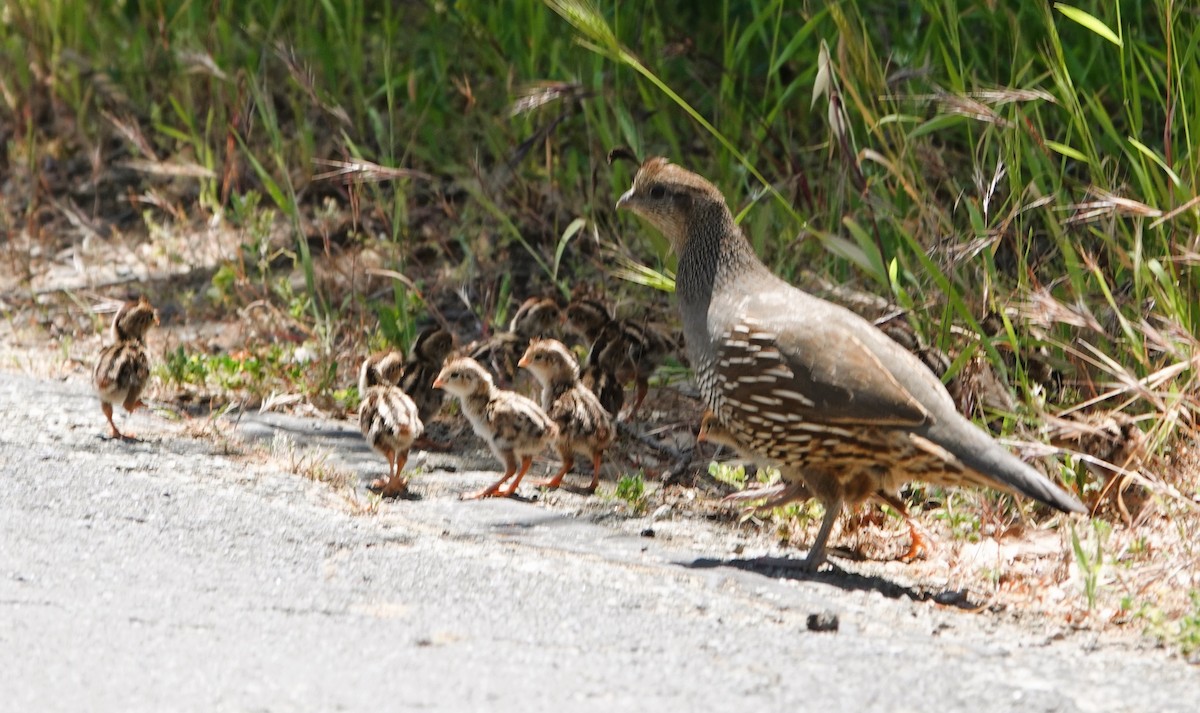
(648, 532)
(823, 621)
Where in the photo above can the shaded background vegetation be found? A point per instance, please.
(1018, 181)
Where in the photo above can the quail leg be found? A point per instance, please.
(525, 463)
(108, 413)
(816, 553)
(568, 460)
(493, 490)
(591, 488)
(920, 546)
(379, 484)
(643, 387)
(396, 485)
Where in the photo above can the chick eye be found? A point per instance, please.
(658, 192)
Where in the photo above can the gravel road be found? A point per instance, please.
(167, 575)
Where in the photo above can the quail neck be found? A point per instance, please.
(717, 265)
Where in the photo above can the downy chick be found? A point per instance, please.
(514, 427)
(584, 426)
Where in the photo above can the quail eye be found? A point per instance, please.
(658, 192)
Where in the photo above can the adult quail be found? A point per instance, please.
(795, 489)
(584, 426)
(515, 428)
(123, 369)
(805, 383)
(388, 418)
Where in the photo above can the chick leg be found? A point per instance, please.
(396, 485)
(568, 460)
(492, 491)
(591, 488)
(525, 463)
(108, 413)
(380, 484)
(643, 387)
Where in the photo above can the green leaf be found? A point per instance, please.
(1066, 150)
(1150, 154)
(1089, 21)
(936, 124)
(572, 229)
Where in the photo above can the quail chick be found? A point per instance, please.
(794, 489)
(425, 359)
(584, 426)
(123, 368)
(625, 349)
(515, 428)
(536, 317)
(807, 384)
(388, 418)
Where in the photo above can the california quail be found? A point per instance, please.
(584, 426)
(805, 383)
(388, 418)
(536, 317)
(794, 489)
(123, 368)
(624, 348)
(425, 358)
(514, 427)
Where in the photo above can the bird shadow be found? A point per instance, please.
(787, 568)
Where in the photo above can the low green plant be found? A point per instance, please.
(631, 488)
(1091, 563)
(728, 473)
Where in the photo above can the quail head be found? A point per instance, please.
(514, 427)
(536, 317)
(804, 383)
(123, 369)
(388, 418)
(425, 359)
(584, 426)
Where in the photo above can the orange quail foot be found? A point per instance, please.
(584, 426)
(388, 418)
(515, 428)
(123, 368)
(795, 489)
(536, 317)
(807, 384)
(620, 348)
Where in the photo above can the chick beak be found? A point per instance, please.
(625, 199)
(439, 383)
(524, 362)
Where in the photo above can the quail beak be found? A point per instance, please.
(439, 383)
(625, 199)
(524, 363)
